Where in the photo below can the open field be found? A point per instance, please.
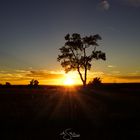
(109, 112)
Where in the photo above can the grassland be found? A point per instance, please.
(108, 112)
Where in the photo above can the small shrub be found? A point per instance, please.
(8, 84)
(95, 82)
(34, 83)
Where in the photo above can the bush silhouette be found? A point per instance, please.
(8, 84)
(95, 82)
(34, 83)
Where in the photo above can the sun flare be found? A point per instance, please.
(68, 81)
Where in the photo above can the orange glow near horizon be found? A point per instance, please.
(62, 78)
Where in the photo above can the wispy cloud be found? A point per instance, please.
(135, 73)
(42, 74)
(134, 3)
(110, 78)
(111, 66)
(96, 73)
(115, 72)
(18, 76)
(113, 29)
(129, 77)
(103, 5)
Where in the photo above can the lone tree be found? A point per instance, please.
(78, 52)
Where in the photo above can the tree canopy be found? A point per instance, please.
(78, 53)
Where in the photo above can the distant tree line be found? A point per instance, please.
(6, 84)
(33, 83)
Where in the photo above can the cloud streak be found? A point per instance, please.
(104, 5)
(111, 66)
(18, 76)
(129, 77)
(43, 74)
(133, 3)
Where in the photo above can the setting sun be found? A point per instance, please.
(68, 81)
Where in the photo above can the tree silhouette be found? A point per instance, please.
(78, 53)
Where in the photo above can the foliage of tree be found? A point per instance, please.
(78, 53)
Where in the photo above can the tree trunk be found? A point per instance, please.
(85, 80)
(85, 66)
(81, 77)
(84, 84)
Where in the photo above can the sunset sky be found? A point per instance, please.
(32, 31)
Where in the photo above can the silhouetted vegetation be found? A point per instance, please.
(7, 84)
(96, 82)
(34, 83)
(75, 54)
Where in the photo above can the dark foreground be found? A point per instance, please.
(111, 112)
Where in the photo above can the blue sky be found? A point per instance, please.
(31, 32)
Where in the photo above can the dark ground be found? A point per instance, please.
(109, 112)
